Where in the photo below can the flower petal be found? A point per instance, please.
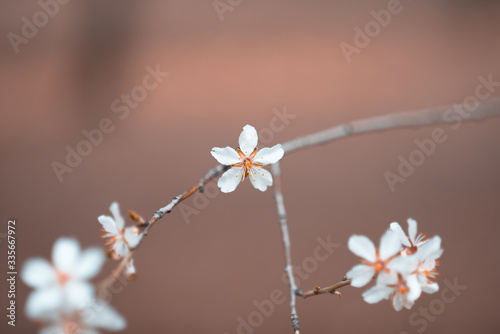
(362, 247)
(361, 274)
(402, 235)
(132, 236)
(412, 230)
(248, 139)
(260, 179)
(230, 180)
(120, 248)
(101, 315)
(390, 244)
(79, 295)
(404, 265)
(42, 301)
(414, 286)
(108, 224)
(115, 210)
(269, 155)
(65, 254)
(89, 264)
(430, 250)
(225, 156)
(430, 287)
(38, 273)
(377, 293)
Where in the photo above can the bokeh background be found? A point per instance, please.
(198, 275)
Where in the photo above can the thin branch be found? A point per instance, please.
(332, 289)
(423, 117)
(145, 226)
(280, 205)
(416, 118)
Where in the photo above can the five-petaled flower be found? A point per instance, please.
(61, 284)
(120, 239)
(247, 162)
(374, 261)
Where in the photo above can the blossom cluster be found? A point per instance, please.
(63, 301)
(403, 266)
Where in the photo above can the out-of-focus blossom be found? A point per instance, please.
(246, 162)
(61, 284)
(96, 315)
(120, 239)
(374, 261)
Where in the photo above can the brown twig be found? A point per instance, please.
(332, 289)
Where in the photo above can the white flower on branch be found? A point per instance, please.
(247, 162)
(374, 261)
(62, 284)
(402, 274)
(120, 239)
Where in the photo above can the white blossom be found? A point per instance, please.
(247, 162)
(61, 284)
(374, 261)
(120, 239)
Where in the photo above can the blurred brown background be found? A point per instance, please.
(199, 277)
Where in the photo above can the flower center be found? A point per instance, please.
(246, 163)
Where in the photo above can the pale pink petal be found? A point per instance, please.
(226, 156)
(248, 139)
(397, 302)
(389, 244)
(38, 273)
(65, 254)
(361, 275)
(89, 264)
(115, 210)
(402, 235)
(362, 247)
(412, 230)
(42, 301)
(260, 179)
(230, 180)
(377, 293)
(108, 224)
(269, 155)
